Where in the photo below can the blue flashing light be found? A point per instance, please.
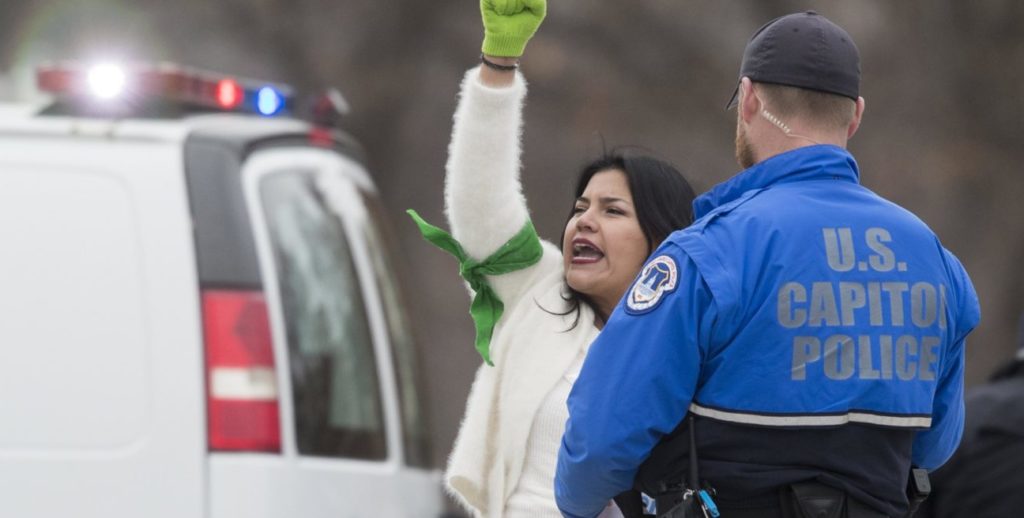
(269, 101)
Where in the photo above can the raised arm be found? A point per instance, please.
(483, 194)
(492, 237)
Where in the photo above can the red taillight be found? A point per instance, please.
(241, 385)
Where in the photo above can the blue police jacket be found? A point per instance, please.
(815, 329)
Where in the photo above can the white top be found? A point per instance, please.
(506, 440)
(534, 496)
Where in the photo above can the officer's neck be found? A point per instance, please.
(771, 141)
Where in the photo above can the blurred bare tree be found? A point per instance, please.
(942, 134)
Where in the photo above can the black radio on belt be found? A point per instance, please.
(919, 486)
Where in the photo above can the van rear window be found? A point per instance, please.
(336, 391)
(404, 352)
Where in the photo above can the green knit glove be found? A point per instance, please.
(509, 24)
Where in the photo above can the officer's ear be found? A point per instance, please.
(748, 106)
(858, 113)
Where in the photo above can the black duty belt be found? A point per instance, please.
(803, 500)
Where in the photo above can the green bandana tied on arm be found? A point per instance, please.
(521, 251)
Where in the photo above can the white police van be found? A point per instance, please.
(199, 318)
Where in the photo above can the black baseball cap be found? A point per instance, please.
(805, 50)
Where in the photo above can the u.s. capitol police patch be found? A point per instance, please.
(657, 279)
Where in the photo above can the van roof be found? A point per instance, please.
(24, 120)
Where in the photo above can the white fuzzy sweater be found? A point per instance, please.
(531, 348)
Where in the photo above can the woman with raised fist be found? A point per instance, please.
(536, 307)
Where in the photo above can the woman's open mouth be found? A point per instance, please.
(585, 252)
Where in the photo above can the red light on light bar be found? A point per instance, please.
(229, 93)
(136, 84)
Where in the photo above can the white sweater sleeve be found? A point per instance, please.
(484, 201)
(483, 197)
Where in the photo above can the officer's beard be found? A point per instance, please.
(744, 151)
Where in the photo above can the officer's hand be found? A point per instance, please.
(509, 24)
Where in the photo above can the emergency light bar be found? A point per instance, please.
(117, 86)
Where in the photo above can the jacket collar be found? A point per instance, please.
(802, 164)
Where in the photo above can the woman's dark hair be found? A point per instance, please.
(662, 198)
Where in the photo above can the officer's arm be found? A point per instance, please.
(933, 447)
(635, 387)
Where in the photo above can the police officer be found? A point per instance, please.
(812, 329)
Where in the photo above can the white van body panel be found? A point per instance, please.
(100, 371)
(310, 487)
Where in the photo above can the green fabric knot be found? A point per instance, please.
(521, 251)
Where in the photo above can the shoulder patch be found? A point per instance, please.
(657, 279)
